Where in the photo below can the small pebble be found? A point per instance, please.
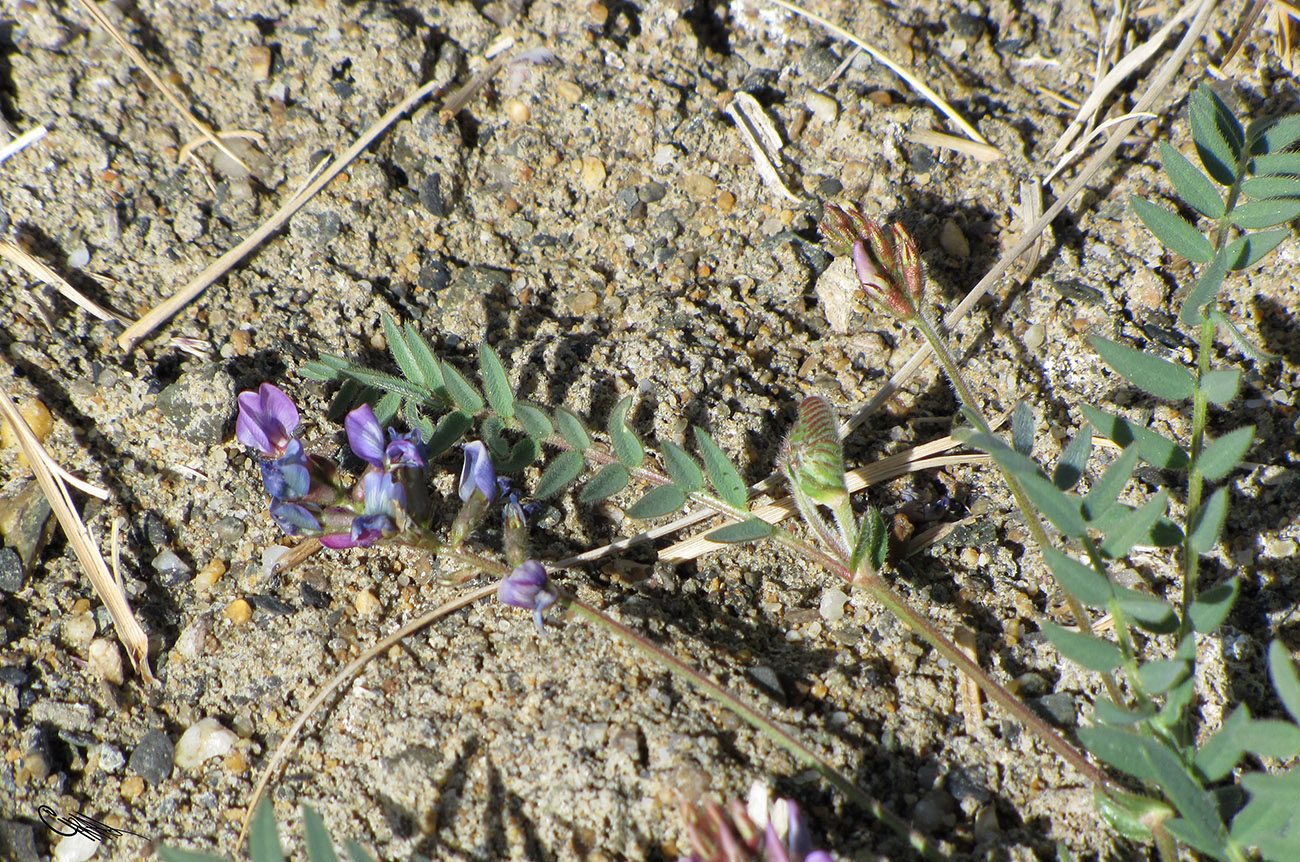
(241, 342)
(132, 787)
(106, 660)
(192, 640)
(77, 847)
(210, 573)
(239, 612)
(599, 13)
(592, 173)
(168, 563)
(832, 604)
(203, 740)
(1034, 336)
(79, 629)
(568, 91)
(726, 202)
(152, 758)
(38, 418)
(236, 763)
(821, 106)
(259, 62)
(229, 529)
(584, 302)
(270, 556)
(366, 602)
(700, 187)
(517, 111)
(110, 757)
(953, 240)
(80, 257)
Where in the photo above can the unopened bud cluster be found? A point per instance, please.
(887, 264)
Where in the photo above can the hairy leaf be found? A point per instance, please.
(264, 836)
(608, 481)
(1086, 650)
(1271, 737)
(1149, 612)
(533, 420)
(1062, 510)
(1221, 752)
(657, 502)
(1206, 521)
(522, 454)
(1079, 580)
(1193, 186)
(1069, 467)
(723, 475)
(1255, 215)
(1270, 822)
(1206, 289)
(1276, 164)
(1022, 429)
(1210, 608)
(325, 368)
(382, 382)
(1156, 450)
(1255, 245)
(1105, 491)
(1262, 188)
(572, 429)
(1135, 528)
(1108, 713)
(1146, 371)
(748, 530)
(1220, 386)
(465, 395)
(560, 474)
(682, 467)
(626, 445)
(1177, 234)
(387, 408)
(1273, 134)
(1161, 675)
(430, 368)
(1285, 679)
(402, 354)
(450, 428)
(317, 838)
(495, 382)
(1213, 128)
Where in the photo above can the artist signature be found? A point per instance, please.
(81, 825)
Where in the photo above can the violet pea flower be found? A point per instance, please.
(384, 497)
(287, 477)
(365, 436)
(266, 421)
(528, 587)
(293, 518)
(478, 473)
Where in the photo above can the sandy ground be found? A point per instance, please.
(598, 220)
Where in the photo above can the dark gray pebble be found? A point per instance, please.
(152, 758)
(229, 529)
(18, 842)
(200, 406)
(431, 195)
(767, 680)
(11, 571)
(269, 606)
(1058, 708)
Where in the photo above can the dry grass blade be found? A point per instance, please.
(22, 142)
(1078, 149)
(914, 82)
(938, 140)
(138, 59)
(38, 270)
(911, 461)
(341, 677)
(1157, 87)
(1131, 62)
(108, 589)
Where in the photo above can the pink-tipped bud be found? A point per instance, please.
(887, 263)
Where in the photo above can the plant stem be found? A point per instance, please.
(758, 721)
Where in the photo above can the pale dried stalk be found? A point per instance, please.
(912, 80)
(938, 140)
(22, 142)
(138, 59)
(38, 270)
(110, 592)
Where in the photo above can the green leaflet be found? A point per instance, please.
(625, 444)
(723, 475)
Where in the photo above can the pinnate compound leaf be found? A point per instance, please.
(1262, 188)
(1022, 429)
(1105, 491)
(1220, 385)
(465, 395)
(1256, 215)
(495, 382)
(1161, 675)
(1085, 650)
(1273, 134)
(748, 530)
(1059, 508)
(1079, 580)
(448, 431)
(1146, 371)
(1193, 186)
(572, 429)
(1276, 164)
(1146, 759)
(1214, 132)
(264, 835)
(1177, 234)
(1210, 608)
(560, 474)
(1206, 289)
(723, 475)
(626, 445)
(402, 354)
(1255, 245)
(607, 482)
(682, 467)
(317, 838)
(533, 420)
(1270, 822)
(1069, 467)
(1156, 450)
(1135, 528)
(658, 502)
(1206, 521)
(1215, 759)
(1285, 679)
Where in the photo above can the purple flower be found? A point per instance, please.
(528, 587)
(365, 436)
(287, 477)
(266, 420)
(384, 498)
(478, 473)
(405, 450)
(293, 518)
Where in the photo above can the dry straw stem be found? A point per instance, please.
(109, 590)
(914, 82)
(938, 140)
(457, 100)
(1131, 62)
(341, 677)
(22, 142)
(138, 59)
(1173, 63)
(38, 270)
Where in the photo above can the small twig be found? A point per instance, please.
(22, 142)
(138, 59)
(38, 270)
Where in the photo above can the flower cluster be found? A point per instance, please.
(763, 831)
(390, 500)
(307, 497)
(888, 266)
